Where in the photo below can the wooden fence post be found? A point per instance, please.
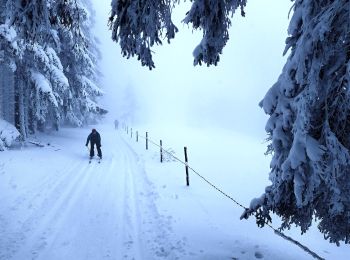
(137, 136)
(127, 130)
(131, 133)
(161, 151)
(146, 140)
(186, 160)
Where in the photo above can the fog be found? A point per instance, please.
(177, 93)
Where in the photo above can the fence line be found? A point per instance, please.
(276, 231)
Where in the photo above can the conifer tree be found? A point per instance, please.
(49, 51)
(309, 127)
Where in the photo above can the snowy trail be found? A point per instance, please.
(55, 205)
(86, 211)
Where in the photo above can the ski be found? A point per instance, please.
(98, 160)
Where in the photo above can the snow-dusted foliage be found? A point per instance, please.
(51, 51)
(8, 133)
(79, 56)
(8, 37)
(138, 25)
(213, 17)
(309, 124)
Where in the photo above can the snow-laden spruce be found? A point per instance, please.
(79, 55)
(309, 126)
(213, 17)
(48, 70)
(138, 25)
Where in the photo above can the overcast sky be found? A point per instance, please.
(176, 92)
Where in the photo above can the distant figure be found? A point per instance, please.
(95, 139)
(116, 123)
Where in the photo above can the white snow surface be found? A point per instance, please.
(55, 205)
(8, 133)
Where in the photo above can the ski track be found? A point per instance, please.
(89, 211)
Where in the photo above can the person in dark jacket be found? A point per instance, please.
(95, 139)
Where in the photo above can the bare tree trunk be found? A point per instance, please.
(7, 95)
(20, 115)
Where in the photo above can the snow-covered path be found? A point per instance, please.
(76, 210)
(55, 205)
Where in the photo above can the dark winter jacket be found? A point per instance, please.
(94, 137)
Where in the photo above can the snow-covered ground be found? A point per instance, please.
(55, 205)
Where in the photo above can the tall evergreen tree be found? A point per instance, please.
(79, 56)
(46, 48)
(309, 124)
(8, 52)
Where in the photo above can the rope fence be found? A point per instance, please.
(188, 167)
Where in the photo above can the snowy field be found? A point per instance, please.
(55, 205)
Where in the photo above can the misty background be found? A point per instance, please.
(179, 94)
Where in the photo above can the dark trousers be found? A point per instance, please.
(92, 152)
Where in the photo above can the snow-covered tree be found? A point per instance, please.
(309, 126)
(138, 25)
(8, 51)
(79, 55)
(20, 30)
(309, 105)
(47, 48)
(213, 17)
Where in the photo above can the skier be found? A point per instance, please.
(95, 139)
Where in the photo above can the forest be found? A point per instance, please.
(49, 72)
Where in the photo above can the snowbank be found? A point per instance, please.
(8, 133)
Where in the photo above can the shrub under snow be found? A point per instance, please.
(8, 133)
